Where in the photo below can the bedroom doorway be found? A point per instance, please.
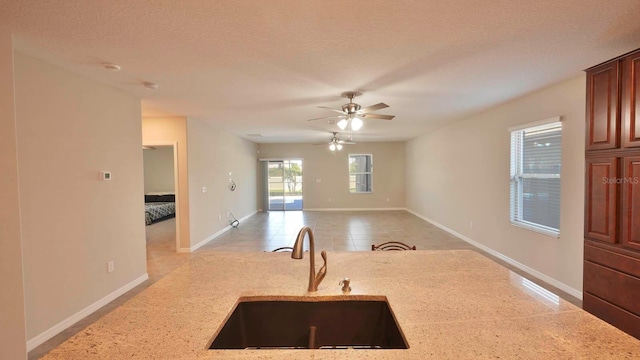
(285, 185)
(161, 190)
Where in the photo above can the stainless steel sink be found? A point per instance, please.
(307, 323)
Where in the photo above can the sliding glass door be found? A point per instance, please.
(285, 185)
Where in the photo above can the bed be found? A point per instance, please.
(159, 207)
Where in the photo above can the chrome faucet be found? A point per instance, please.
(314, 280)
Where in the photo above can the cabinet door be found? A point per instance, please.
(630, 101)
(602, 107)
(601, 199)
(631, 203)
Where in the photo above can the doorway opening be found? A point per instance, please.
(161, 192)
(285, 185)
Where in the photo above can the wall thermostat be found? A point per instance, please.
(105, 175)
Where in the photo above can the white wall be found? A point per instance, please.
(12, 316)
(460, 173)
(69, 129)
(333, 171)
(158, 169)
(213, 154)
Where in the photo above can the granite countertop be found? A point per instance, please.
(454, 304)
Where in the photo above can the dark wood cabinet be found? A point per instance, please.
(630, 104)
(630, 183)
(602, 107)
(611, 277)
(601, 199)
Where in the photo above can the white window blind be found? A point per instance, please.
(535, 177)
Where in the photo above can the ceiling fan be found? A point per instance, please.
(335, 143)
(352, 114)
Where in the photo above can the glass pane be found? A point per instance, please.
(360, 178)
(541, 202)
(276, 185)
(359, 163)
(542, 152)
(363, 183)
(293, 185)
(276, 171)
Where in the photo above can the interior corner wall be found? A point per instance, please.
(13, 343)
(173, 130)
(458, 177)
(325, 176)
(213, 154)
(158, 169)
(69, 129)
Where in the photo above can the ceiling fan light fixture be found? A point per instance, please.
(356, 124)
(332, 147)
(339, 147)
(342, 124)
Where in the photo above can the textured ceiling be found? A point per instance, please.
(263, 67)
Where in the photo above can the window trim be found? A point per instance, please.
(363, 172)
(521, 223)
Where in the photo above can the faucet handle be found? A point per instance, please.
(345, 285)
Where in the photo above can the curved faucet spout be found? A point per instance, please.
(314, 280)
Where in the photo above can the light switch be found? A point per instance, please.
(318, 180)
(105, 175)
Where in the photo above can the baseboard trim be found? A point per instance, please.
(211, 237)
(66, 323)
(533, 272)
(354, 209)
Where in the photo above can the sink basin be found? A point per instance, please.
(310, 323)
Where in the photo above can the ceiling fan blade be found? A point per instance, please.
(341, 142)
(371, 108)
(326, 117)
(378, 116)
(321, 144)
(332, 109)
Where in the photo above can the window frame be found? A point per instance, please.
(517, 175)
(370, 173)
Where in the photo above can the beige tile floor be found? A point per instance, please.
(339, 231)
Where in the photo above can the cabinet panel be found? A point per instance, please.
(630, 101)
(631, 202)
(612, 258)
(613, 286)
(601, 199)
(602, 107)
(612, 314)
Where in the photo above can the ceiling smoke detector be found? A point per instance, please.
(111, 66)
(150, 85)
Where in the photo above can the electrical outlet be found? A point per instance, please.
(110, 266)
(471, 224)
(219, 217)
(204, 189)
(329, 199)
(387, 199)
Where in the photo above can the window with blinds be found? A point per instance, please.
(360, 173)
(535, 177)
